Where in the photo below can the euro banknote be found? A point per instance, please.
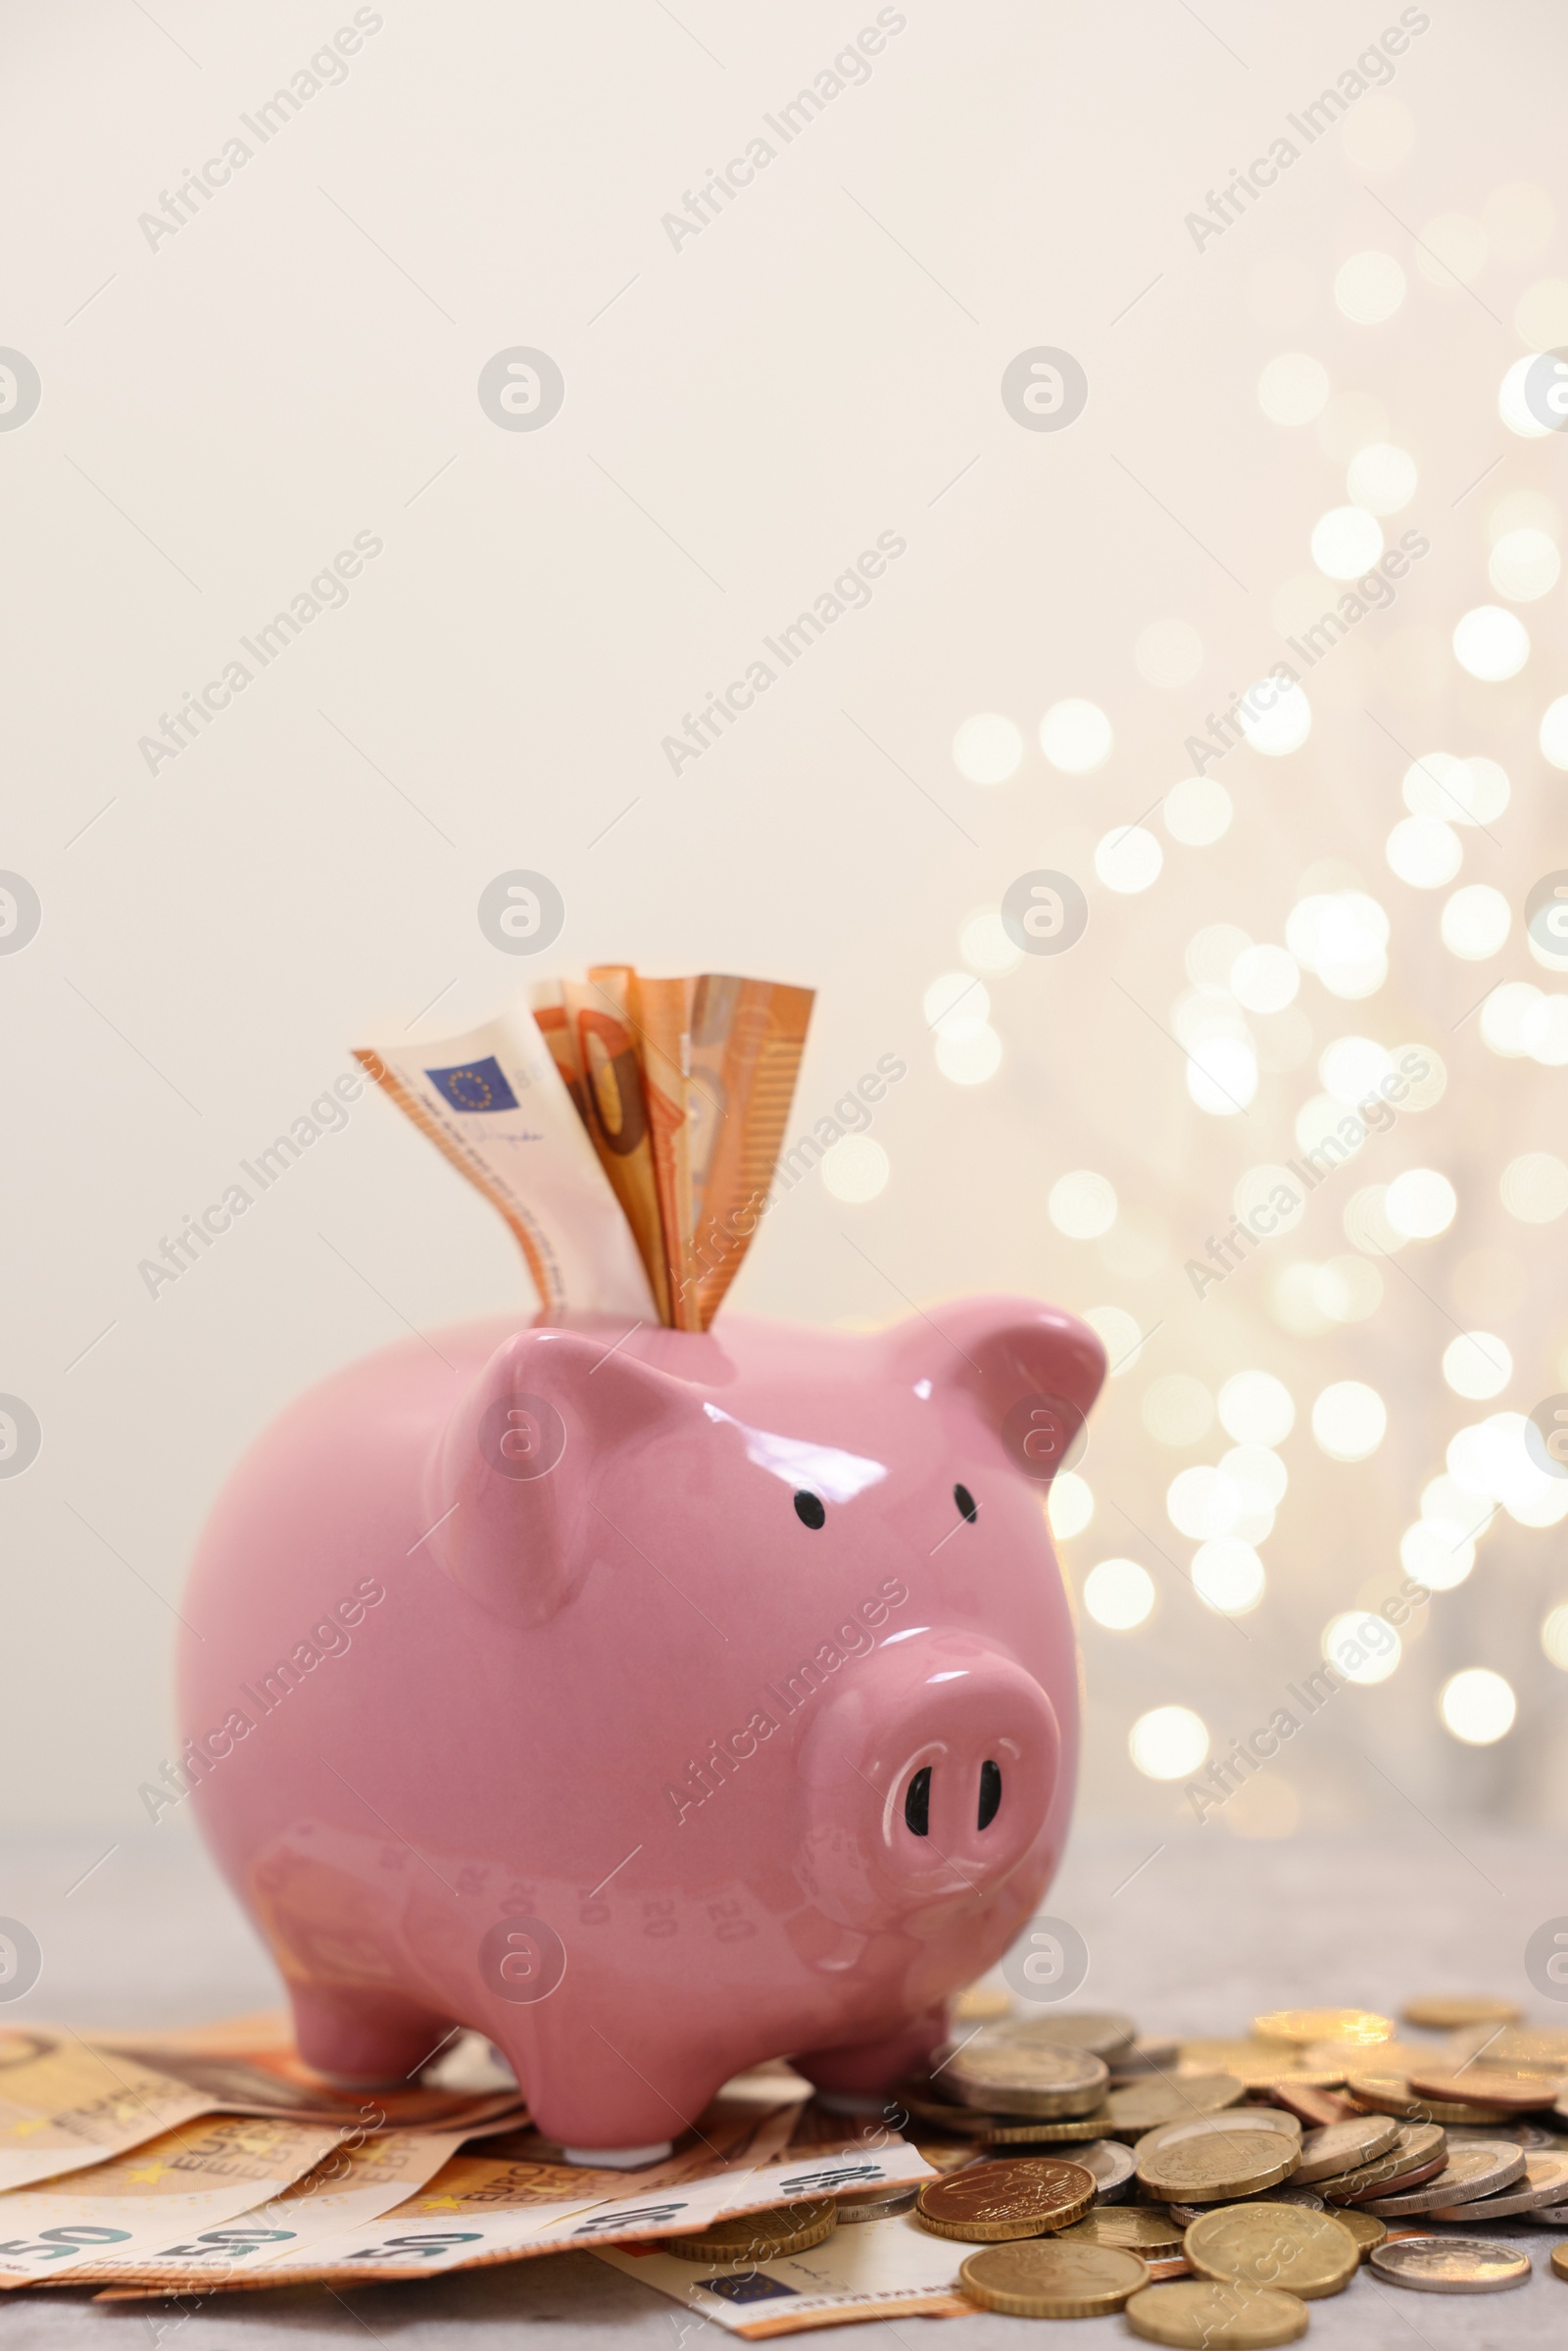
(684, 1086)
(249, 2065)
(65, 2104)
(887, 2269)
(493, 1102)
(361, 2178)
(184, 2180)
(479, 2210)
(748, 2123)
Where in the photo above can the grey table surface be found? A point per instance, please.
(1190, 1931)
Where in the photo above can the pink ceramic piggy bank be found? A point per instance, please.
(654, 1703)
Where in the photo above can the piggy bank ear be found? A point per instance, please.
(510, 1484)
(1030, 1371)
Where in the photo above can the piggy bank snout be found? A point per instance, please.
(935, 1772)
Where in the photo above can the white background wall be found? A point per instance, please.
(223, 412)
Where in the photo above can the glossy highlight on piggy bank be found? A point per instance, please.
(709, 1697)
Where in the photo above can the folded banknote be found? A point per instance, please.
(627, 1128)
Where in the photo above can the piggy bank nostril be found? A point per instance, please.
(809, 1509)
(990, 1792)
(917, 1803)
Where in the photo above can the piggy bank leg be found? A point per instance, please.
(601, 2106)
(859, 2080)
(364, 2039)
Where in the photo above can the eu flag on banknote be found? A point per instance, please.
(474, 1086)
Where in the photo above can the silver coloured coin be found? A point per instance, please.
(1469, 2173)
(1105, 2035)
(1111, 2164)
(1545, 2183)
(876, 2204)
(1450, 2265)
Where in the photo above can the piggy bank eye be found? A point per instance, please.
(969, 1507)
(809, 1509)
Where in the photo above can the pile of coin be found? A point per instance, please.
(1215, 2189)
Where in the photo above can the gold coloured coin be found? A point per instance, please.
(1371, 2197)
(1542, 2046)
(1342, 2146)
(1255, 2062)
(1102, 2032)
(1390, 2093)
(1028, 2077)
(1168, 2098)
(1559, 2262)
(924, 2103)
(751, 2237)
(1419, 2144)
(1187, 2214)
(992, 2201)
(1303, 2025)
(1485, 2086)
(1449, 2011)
(1230, 2119)
(1374, 2057)
(1199, 2314)
(1316, 2108)
(1047, 2279)
(1366, 2231)
(1452, 2265)
(1219, 2164)
(1010, 2132)
(1130, 2227)
(1150, 2053)
(980, 2004)
(1310, 2254)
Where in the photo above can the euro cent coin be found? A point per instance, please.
(1449, 2012)
(1390, 2093)
(980, 2004)
(1366, 2229)
(1048, 2278)
(1217, 2164)
(994, 2201)
(1516, 2093)
(1260, 2064)
(1309, 2253)
(1452, 2265)
(1010, 2132)
(1342, 2146)
(1235, 2118)
(756, 2236)
(1144, 2105)
(1303, 2025)
(1199, 2314)
(1418, 2147)
(1102, 2032)
(1129, 2228)
(1028, 2077)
